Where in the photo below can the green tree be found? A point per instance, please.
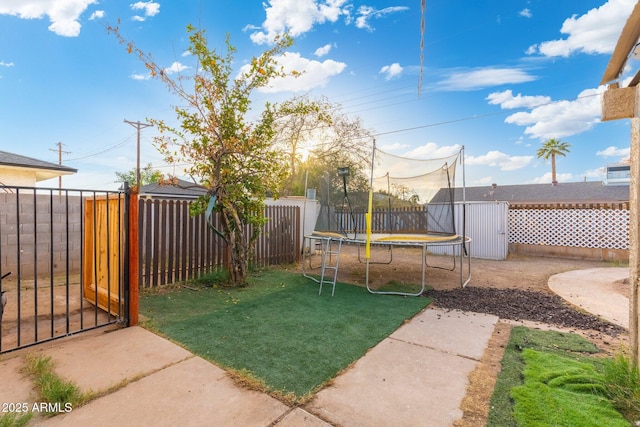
(148, 175)
(549, 150)
(234, 158)
(300, 119)
(330, 138)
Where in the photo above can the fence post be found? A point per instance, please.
(133, 261)
(296, 236)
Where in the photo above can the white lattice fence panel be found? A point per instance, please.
(583, 228)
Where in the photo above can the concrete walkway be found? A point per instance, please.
(594, 291)
(415, 377)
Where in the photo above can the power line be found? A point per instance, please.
(127, 139)
(462, 119)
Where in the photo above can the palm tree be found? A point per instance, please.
(550, 149)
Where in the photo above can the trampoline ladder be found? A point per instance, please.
(327, 257)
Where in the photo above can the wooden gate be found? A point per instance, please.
(104, 245)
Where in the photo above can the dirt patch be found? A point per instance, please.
(482, 381)
(622, 287)
(404, 264)
(516, 290)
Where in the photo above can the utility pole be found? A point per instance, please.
(139, 126)
(59, 150)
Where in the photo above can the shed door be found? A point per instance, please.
(488, 227)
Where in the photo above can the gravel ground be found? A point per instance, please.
(517, 304)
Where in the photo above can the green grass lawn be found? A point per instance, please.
(278, 329)
(551, 379)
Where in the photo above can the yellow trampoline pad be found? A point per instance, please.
(328, 234)
(413, 238)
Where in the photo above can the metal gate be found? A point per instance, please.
(65, 251)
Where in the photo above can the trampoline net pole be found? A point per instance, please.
(367, 250)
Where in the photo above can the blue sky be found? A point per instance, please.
(499, 77)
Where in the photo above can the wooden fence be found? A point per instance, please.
(432, 218)
(175, 247)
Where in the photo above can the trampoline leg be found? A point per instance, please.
(463, 282)
(407, 294)
(390, 249)
(311, 241)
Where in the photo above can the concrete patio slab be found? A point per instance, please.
(406, 380)
(451, 331)
(397, 384)
(14, 386)
(193, 392)
(103, 361)
(299, 417)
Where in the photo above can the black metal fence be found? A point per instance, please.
(65, 250)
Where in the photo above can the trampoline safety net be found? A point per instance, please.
(409, 196)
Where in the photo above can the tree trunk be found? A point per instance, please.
(238, 261)
(237, 246)
(554, 181)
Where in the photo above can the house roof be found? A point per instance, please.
(181, 189)
(570, 192)
(43, 170)
(12, 159)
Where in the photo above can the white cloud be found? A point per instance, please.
(483, 181)
(525, 13)
(522, 141)
(431, 150)
(507, 101)
(176, 67)
(614, 152)
(391, 71)
(482, 78)
(595, 32)
(598, 173)
(98, 14)
(546, 178)
(296, 17)
(366, 13)
(396, 146)
(6, 64)
(322, 51)
(149, 8)
(313, 73)
(563, 118)
(497, 158)
(63, 14)
(140, 76)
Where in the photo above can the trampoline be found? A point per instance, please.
(409, 204)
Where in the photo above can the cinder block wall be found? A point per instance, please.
(40, 232)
